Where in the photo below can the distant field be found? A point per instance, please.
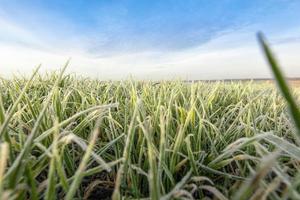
(292, 82)
(295, 83)
(171, 140)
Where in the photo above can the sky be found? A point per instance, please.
(149, 39)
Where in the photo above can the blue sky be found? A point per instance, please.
(116, 38)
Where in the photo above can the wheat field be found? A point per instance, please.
(66, 137)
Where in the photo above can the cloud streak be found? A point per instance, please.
(148, 40)
(214, 60)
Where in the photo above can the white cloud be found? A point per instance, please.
(233, 55)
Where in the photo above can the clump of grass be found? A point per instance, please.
(64, 137)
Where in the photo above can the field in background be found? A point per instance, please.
(292, 82)
(295, 83)
(83, 138)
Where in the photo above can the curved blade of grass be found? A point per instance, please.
(227, 175)
(249, 187)
(84, 147)
(3, 162)
(80, 171)
(70, 119)
(92, 171)
(281, 82)
(178, 186)
(214, 191)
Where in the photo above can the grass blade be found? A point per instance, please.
(3, 162)
(281, 82)
(79, 173)
(9, 115)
